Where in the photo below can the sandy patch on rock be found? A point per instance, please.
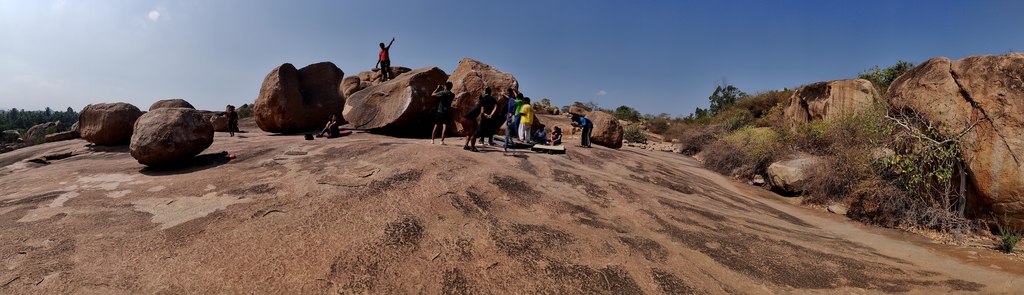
(169, 212)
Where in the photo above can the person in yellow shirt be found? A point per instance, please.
(525, 120)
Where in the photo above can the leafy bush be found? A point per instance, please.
(1008, 237)
(245, 111)
(727, 159)
(881, 78)
(657, 124)
(693, 137)
(627, 113)
(633, 133)
(762, 146)
(760, 104)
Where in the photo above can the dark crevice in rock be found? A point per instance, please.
(967, 96)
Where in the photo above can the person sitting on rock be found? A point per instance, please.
(444, 110)
(384, 60)
(541, 135)
(232, 120)
(587, 127)
(556, 137)
(331, 129)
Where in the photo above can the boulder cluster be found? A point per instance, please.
(294, 101)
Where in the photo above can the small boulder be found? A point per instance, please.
(831, 99)
(171, 103)
(575, 110)
(555, 111)
(402, 106)
(108, 123)
(350, 85)
(220, 123)
(168, 134)
(607, 131)
(837, 209)
(10, 136)
(790, 176)
(758, 179)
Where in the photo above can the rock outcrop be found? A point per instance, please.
(59, 136)
(37, 133)
(363, 80)
(108, 123)
(293, 100)
(831, 99)
(10, 136)
(402, 106)
(165, 135)
(575, 110)
(790, 176)
(171, 103)
(469, 80)
(607, 131)
(987, 90)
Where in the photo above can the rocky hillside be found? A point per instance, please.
(374, 214)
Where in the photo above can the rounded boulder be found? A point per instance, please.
(165, 135)
(108, 123)
(171, 103)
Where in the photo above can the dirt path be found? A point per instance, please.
(374, 214)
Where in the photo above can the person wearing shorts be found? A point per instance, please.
(444, 110)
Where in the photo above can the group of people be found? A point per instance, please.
(477, 123)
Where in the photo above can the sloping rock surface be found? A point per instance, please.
(401, 106)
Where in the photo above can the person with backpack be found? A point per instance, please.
(444, 110)
(384, 60)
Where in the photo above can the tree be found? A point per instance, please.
(721, 99)
(881, 78)
(545, 101)
(627, 113)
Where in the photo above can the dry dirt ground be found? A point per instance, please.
(380, 215)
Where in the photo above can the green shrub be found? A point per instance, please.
(633, 133)
(762, 146)
(727, 159)
(693, 137)
(245, 111)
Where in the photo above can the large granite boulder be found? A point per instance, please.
(108, 123)
(987, 90)
(293, 101)
(790, 176)
(171, 103)
(37, 133)
(607, 131)
(363, 80)
(165, 135)
(469, 80)
(826, 100)
(403, 106)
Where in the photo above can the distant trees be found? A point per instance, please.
(881, 78)
(723, 98)
(627, 113)
(22, 120)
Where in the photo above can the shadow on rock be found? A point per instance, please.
(197, 163)
(121, 148)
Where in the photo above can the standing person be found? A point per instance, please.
(469, 122)
(232, 120)
(525, 120)
(489, 107)
(444, 110)
(587, 126)
(510, 116)
(384, 60)
(519, 105)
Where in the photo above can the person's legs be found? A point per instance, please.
(585, 141)
(444, 129)
(528, 133)
(508, 132)
(434, 132)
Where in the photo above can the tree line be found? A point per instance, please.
(22, 120)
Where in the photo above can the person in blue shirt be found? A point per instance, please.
(587, 126)
(541, 135)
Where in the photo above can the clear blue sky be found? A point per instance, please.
(655, 56)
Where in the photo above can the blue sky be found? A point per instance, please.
(655, 56)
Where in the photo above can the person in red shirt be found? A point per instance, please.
(384, 60)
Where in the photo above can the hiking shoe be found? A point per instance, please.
(442, 143)
(431, 142)
(466, 147)
(474, 150)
